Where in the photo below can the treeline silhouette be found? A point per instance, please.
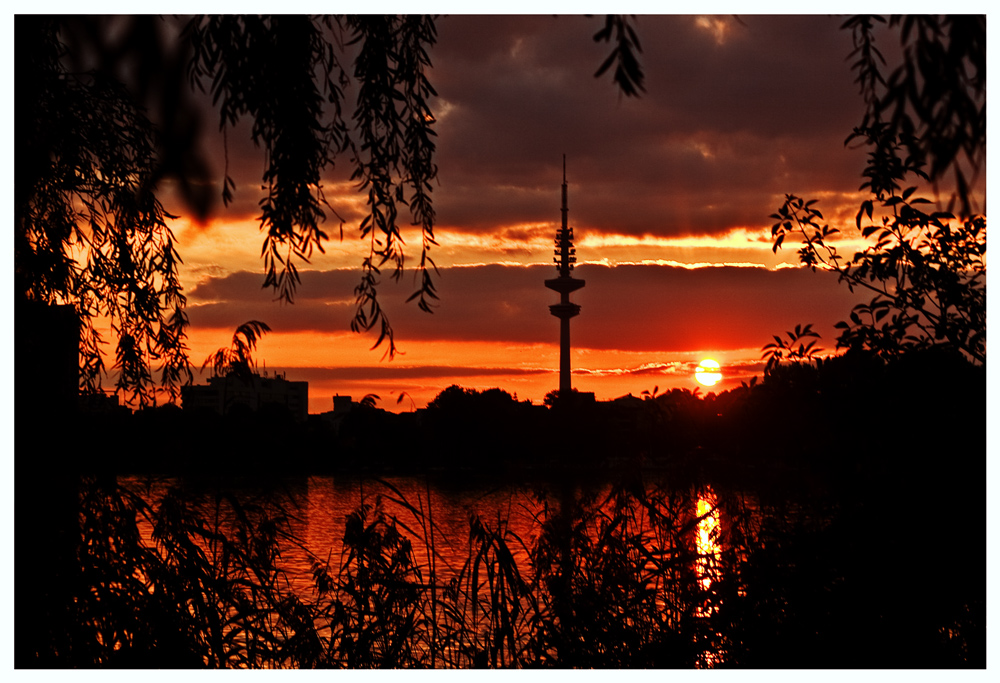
(832, 418)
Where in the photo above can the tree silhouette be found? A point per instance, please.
(105, 111)
(89, 229)
(927, 268)
(934, 102)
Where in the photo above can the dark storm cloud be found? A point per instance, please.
(724, 126)
(627, 307)
(721, 129)
(660, 307)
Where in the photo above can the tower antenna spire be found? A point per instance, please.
(565, 257)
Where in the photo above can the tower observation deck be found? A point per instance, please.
(565, 257)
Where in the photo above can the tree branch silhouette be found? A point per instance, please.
(104, 115)
(926, 268)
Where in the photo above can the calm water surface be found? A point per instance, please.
(318, 508)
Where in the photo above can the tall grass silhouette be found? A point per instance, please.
(606, 578)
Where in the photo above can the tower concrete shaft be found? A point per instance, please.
(565, 257)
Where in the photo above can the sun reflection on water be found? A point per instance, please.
(707, 541)
(707, 567)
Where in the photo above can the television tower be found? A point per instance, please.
(564, 284)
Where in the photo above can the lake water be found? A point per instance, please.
(683, 531)
(659, 575)
(318, 506)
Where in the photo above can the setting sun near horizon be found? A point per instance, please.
(708, 372)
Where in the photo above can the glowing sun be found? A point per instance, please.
(708, 372)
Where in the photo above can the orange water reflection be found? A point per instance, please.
(680, 531)
(439, 517)
(707, 541)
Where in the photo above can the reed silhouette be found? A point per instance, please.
(609, 576)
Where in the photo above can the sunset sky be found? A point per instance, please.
(669, 196)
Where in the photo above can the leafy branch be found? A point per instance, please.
(926, 271)
(628, 74)
(263, 67)
(935, 100)
(926, 268)
(795, 349)
(89, 229)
